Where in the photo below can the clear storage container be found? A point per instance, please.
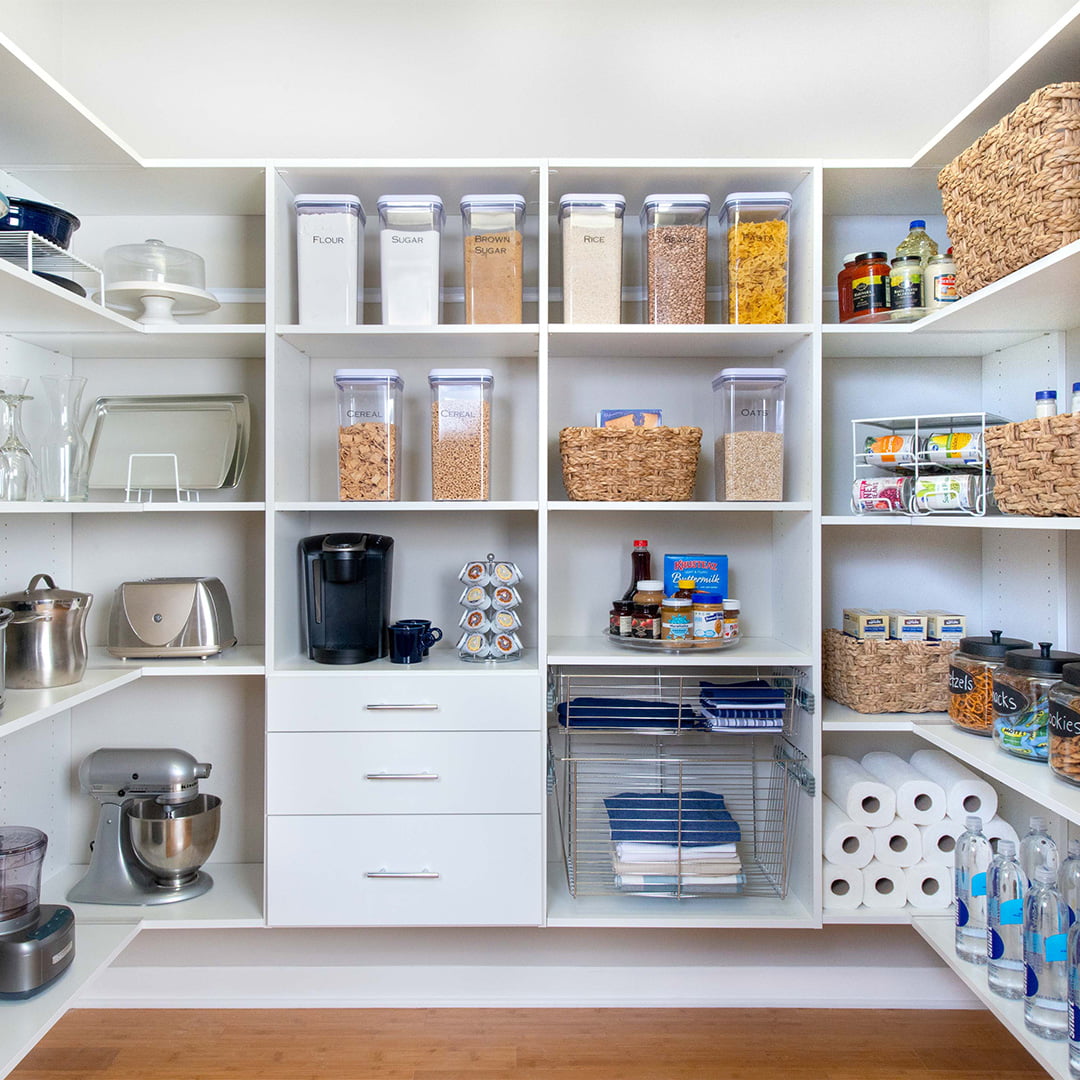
(22, 855)
(1064, 724)
(329, 259)
(971, 680)
(755, 225)
(369, 418)
(592, 233)
(676, 233)
(460, 433)
(491, 230)
(1021, 699)
(749, 433)
(410, 238)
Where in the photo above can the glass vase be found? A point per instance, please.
(18, 473)
(64, 459)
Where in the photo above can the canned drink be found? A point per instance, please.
(937, 493)
(891, 450)
(881, 495)
(955, 448)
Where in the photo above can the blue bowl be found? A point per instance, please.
(49, 222)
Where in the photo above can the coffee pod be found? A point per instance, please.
(506, 573)
(505, 621)
(475, 621)
(475, 596)
(505, 597)
(474, 573)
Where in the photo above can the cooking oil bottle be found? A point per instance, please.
(917, 242)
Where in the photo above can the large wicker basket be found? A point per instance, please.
(1011, 197)
(630, 464)
(886, 676)
(1036, 466)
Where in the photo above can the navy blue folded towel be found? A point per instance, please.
(624, 712)
(755, 699)
(693, 819)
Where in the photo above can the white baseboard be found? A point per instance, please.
(481, 986)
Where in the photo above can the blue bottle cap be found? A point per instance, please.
(1046, 395)
(918, 223)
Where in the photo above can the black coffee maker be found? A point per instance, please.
(347, 588)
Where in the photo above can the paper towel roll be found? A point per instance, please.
(884, 887)
(929, 886)
(864, 798)
(939, 841)
(919, 799)
(898, 844)
(846, 844)
(999, 829)
(965, 793)
(842, 887)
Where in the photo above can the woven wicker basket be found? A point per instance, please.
(1036, 466)
(630, 464)
(886, 676)
(1011, 197)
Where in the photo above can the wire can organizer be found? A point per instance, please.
(1036, 466)
(37, 255)
(678, 817)
(630, 464)
(1010, 197)
(750, 701)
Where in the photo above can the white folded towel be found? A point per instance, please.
(643, 851)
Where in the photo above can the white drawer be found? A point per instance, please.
(398, 772)
(471, 701)
(456, 870)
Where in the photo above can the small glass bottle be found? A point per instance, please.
(646, 621)
(1046, 928)
(65, 454)
(973, 855)
(1045, 404)
(677, 617)
(1006, 885)
(731, 619)
(640, 567)
(685, 589)
(621, 619)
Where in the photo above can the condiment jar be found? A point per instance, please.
(621, 618)
(1021, 699)
(731, 619)
(646, 621)
(708, 617)
(870, 287)
(971, 680)
(1064, 724)
(677, 619)
(939, 285)
(844, 286)
(906, 288)
(649, 591)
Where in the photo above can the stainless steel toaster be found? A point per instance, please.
(178, 616)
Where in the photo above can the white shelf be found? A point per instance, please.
(30, 303)
(409, 507)
(443, 658)
(837, 717)
(636, 341)
(445, 342)
(24, 1023)
(938, 933)
(956, 521)
(185, 341)
(868, 917)
(235, 900)
(680, 507)
(166, 506)
(751, 651)
(238, 660)
(878, 342)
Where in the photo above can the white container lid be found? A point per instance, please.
(677, 601)
(460, 375)
(758, 374)
(349, 203)
(585, 199)
(649, 585)
(361, 374)
(665, 203)
(493, 202)
(430, 204)
(761, 198)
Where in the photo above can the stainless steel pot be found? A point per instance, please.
(46, 636)
(5, 618)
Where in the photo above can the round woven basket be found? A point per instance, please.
(630, 464)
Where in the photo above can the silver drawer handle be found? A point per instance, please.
(417, 706)
(427, 874)
(401, 776)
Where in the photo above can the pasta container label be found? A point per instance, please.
(1008, 701)
(960, 681)
(1063, 721)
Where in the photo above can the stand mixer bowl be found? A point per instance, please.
(172, 841)
(22, 855)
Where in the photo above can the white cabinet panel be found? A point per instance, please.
(486, 701)
(459, 772)
(454, 870)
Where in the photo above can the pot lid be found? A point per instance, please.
(31, 596)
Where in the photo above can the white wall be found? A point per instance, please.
(575, 78)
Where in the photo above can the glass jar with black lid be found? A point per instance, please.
(971, 680)
(1064, 724)
(1021, 699)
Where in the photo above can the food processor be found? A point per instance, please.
(37, 941)
(155, 829)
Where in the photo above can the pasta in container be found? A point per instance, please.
(756, 273)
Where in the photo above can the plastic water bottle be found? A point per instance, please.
(1005, 889)
(1074, 1000)
(1069, 880)
(973, 856)
(1046, 962)
(1037, 848)
(917, 242)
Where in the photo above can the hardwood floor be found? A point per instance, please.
(527, 1044)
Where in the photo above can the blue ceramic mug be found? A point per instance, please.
(430, 635)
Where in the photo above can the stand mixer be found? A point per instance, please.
(154, 831)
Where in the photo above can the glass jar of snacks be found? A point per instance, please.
(1064, 724)
(756, 278)
(369, 411)
(1021, 699)
(971, 680)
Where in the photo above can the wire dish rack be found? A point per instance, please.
(37, 255)
(681, 816)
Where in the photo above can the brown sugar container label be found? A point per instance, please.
(1063, 722)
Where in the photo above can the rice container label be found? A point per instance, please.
(880, 495)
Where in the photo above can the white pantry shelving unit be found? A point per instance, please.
(794, 564)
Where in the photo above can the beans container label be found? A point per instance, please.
(960, 681)
(1008, 701)
(1063, 721)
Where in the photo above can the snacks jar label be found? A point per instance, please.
(1008, 701)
